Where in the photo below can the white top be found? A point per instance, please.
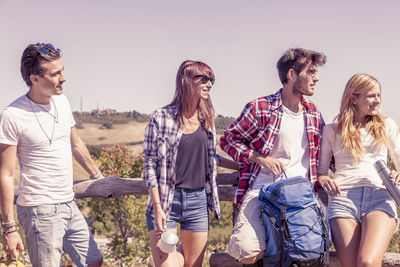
(349, 174)
(290, 147)
(46, 170)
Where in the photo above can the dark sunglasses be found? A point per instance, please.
(205, 79)
(43, 51)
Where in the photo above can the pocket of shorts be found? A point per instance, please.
(45, 210)
(200, 195)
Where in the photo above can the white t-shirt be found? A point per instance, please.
(46, 170)
(291, 147)
(349, 174)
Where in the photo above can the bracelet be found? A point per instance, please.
(155, 203)
(9, 232)
(97, 175)
(8, 224)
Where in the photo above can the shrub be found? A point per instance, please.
(124, 216)
(94, 150)
(107, 125)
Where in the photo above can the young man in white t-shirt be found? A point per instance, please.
(275, 135)
(38, 129)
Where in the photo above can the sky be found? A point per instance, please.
(124, 54)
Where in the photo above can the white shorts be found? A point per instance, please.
(248, 237)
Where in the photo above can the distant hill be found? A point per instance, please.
(108, 117)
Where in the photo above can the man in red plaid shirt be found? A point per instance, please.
(274, 136)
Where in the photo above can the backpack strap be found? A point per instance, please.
(284, 231)
(326, 231)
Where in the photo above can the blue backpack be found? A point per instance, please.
(297, 233)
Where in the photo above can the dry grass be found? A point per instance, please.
(130, 134)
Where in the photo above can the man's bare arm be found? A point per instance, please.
(11, 240)
(82, 155)
(274, 165)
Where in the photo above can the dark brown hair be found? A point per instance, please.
(297, 59)
(31, 60)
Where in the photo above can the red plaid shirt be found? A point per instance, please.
(257, 128)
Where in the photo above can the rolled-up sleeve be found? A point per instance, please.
(236, 139)
(150, 153)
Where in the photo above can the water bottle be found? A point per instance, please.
(384, 172)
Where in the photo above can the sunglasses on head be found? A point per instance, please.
(43, 51)
(205, 79)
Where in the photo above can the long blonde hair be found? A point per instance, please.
(348, 126)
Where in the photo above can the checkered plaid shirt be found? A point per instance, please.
(257, 128)
(160, 148)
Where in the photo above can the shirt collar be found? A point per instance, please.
(277, 102)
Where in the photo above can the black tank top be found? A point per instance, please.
(192, 160)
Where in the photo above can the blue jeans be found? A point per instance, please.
(189, 208)
(50, 229)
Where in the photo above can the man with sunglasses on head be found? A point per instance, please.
(38, 129)
(274, 136)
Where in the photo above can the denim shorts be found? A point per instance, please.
(51, 228)
(189, 208)
(357, 202)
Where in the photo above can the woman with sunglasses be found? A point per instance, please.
(362, 214)
(180, 167)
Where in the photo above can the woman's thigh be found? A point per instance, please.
(346, 235)
(377, 229)
(194, 244)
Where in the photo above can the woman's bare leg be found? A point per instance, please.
(346, 235)
(377, 230)
(194, 246)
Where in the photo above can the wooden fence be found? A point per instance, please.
(113, 186)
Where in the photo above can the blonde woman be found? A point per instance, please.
(362, 214)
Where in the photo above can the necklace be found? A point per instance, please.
(40, 125)
(55, 116)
